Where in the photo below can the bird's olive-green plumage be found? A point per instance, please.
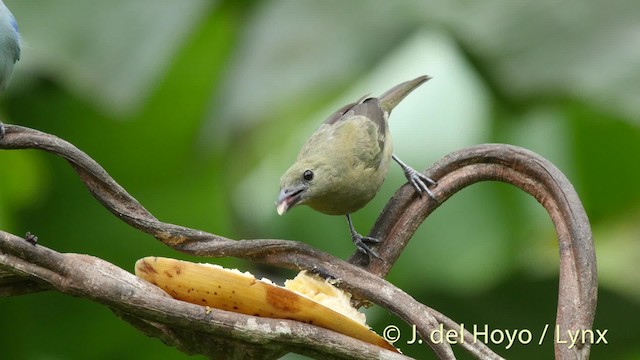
(349, 160)
(343, 164)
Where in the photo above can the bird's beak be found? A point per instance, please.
(289, 198)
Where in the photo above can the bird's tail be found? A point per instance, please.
(393, 96)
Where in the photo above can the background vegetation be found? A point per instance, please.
(196, 107)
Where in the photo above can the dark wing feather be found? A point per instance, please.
(338, 114)
(369, 108)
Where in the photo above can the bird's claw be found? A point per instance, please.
(361, 244)
(419, 181)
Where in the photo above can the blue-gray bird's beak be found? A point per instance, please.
(288, 198)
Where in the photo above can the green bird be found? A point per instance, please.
(343, 164)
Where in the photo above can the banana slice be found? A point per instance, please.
(232, 290)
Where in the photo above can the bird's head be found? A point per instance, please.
(297, 186)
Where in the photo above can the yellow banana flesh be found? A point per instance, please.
(217, 287)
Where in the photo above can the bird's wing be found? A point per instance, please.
(371, 110)
(338, 114)
(359, 129)
(367, 107)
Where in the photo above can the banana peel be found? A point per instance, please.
(232, 290)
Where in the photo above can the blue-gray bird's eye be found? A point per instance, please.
(307, 175)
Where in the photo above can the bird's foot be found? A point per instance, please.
(420, 181)
(2, 130)
(361, 244)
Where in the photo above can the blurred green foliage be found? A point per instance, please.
(197, 107)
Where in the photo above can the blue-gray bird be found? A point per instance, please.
(9, 49)
(343, 164)
(9, 45)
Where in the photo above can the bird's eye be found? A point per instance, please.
(307, 175)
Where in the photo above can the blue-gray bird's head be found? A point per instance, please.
(9, 45)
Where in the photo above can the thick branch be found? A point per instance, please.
(396, 225)
(530, 172)
(283, 253)
(210, 332)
